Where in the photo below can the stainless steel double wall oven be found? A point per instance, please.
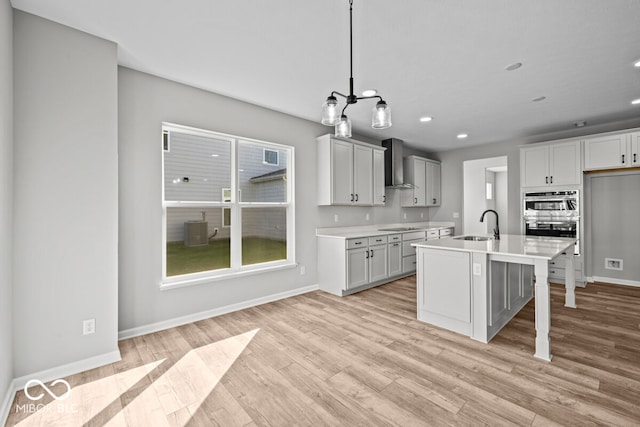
(553, 213)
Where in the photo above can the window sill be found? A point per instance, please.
(175, 283)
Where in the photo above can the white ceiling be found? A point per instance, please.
(442, 58)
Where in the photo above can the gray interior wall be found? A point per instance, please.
(613, 206)
(145, 102)
(65, 194)
(6, 196)
(452, 182)
(501, 198)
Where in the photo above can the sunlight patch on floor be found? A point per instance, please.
(174, 393)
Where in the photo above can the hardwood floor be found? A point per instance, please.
(317, 359)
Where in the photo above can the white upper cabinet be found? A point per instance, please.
(347, 173)
(433, 183)
(379, 196)
(424, 175)
(634, 155)
(606, 152)
(550, 164)
(612, 151)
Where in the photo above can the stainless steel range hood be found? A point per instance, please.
(393, 164)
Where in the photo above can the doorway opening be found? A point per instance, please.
(485, 187)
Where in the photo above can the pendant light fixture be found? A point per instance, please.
(380, 115)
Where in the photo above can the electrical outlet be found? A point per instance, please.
(456, 214)
(421, 215)
(335, 218)
(405, 215)
(366, 217)
(613, 264)
(477, 269)
(303, 270)
(88, 326)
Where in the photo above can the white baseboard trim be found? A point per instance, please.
(190, 318)
(614, 281)
(53, 374)
(7, 402)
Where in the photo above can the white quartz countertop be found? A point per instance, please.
(377, 230)
(509, 244)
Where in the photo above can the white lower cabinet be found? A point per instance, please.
(350, 265)
(394, 254)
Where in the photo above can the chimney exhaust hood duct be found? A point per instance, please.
(393, 164)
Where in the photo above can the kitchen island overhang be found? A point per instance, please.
(460, 285)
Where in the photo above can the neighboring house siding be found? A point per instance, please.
(191, 156)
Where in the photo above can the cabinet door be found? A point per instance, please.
(433, 184)
(378, 263)
(634, 156)
(357, 267)
(564, 163)
(420, 182)
(394, 253)
(606, 152)
(342, 172)
(534, 166)
(363, 175)
(379, 197)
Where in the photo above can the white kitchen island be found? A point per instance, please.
(476, 287)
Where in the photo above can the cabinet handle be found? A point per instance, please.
(551, 180)
(384, 198)
(357, 243)
(371, 253)
(415, 200)
(634, 158)
(352, 197)
(623, 159)
(367, 254)
(434, 201)
(546, 179)
(396, 245)
(356, 197)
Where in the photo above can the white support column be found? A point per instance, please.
(543, 310)
(570, 280)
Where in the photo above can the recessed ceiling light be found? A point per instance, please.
(635, 101)
(215, 155)
(580, 124)
(637, 64)
(538, 99)
(462, 135)
(513, 66)
(426, 119)
(369, 92)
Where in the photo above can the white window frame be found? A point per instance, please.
(264, 157)
(236, 206)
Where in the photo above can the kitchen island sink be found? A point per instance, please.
(474, 238)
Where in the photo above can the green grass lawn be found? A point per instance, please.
(216, 255)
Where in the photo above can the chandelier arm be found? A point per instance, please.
(338, 93)
(345, 107)
(369, 97)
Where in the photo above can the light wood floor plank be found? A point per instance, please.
(365, 360)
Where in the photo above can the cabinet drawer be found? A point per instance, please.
(378, 240)
(408, 264)
(357, 243)
(445, 232)
(432, 234)
(413, 235)
(395, 238)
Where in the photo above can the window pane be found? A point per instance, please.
(196, 240)
(260, 180)
(264, 235)
(196, 168)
